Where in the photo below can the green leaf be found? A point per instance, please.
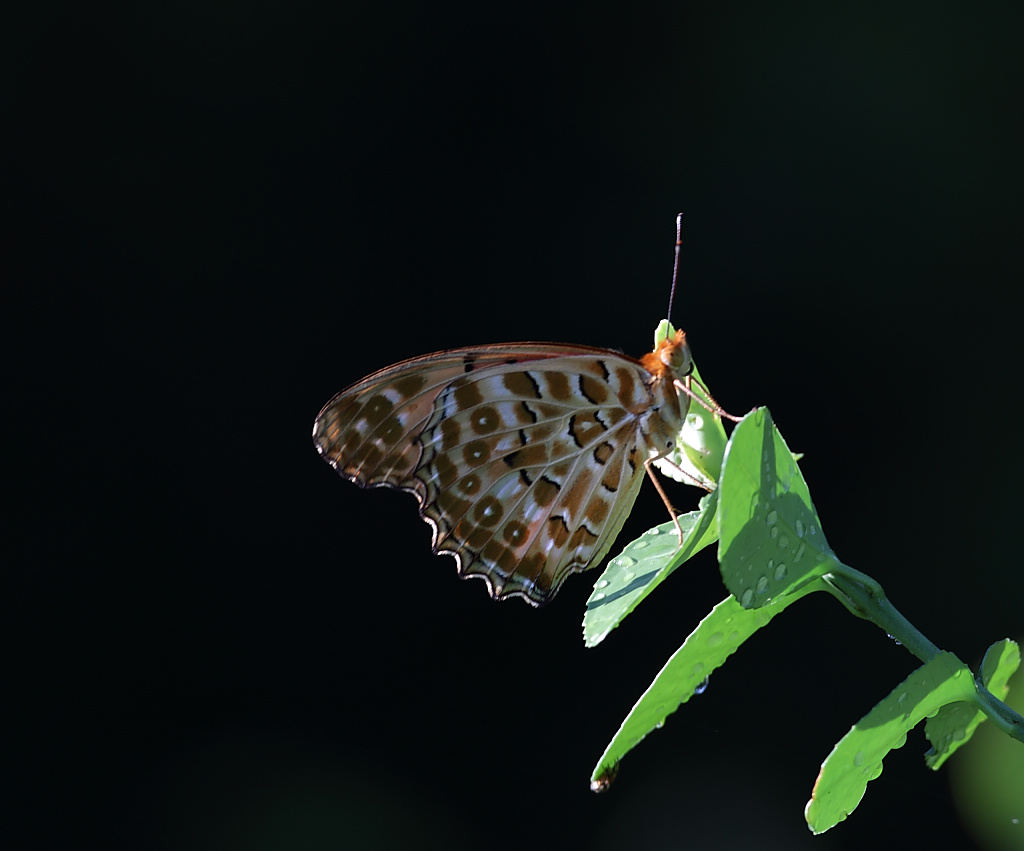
(716, 638)
(770, 537)
(954, 724)
(643, 565)
(696, 458)
(857, 757)
(664, 330)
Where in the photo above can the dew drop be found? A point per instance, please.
(800, 551)
(780, 571)
(625, 561)
(772, 518)
(783, 542)
(703, 687)
(640, 545)
(598, 596)
(762, 584)
(697, 669)
(715, 639)
(747, 598)
(771, 563)
(602, 583)
(799, 527)
(774, 532)
(858, 758)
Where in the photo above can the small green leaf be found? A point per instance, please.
(696, 458)
(643, 565)
(770, 537)
(1000, 663)
(664, 330)
(857, 757)
(955, 723)
(716, 637)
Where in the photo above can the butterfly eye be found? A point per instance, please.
(677, 358)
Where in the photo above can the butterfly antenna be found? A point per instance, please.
(675, 264)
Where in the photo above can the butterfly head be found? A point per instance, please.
(670, 358)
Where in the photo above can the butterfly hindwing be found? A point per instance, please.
(529, 469)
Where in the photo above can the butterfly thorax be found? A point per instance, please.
(663, 420)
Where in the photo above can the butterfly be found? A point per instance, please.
(525, 458)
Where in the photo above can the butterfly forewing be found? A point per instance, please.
(525, 458)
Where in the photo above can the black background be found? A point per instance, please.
(226, 212)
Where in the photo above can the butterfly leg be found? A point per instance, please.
(713, 407)
(664, 497)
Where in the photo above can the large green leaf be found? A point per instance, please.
(857, 757)
(716, 638)
(769, 536)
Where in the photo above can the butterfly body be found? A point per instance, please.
(525, 458)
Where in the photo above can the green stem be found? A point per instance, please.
(864, 597)
(1004, 717)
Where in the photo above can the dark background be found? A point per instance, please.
(226, 212)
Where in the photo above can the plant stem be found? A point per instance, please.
(1004, 717)
(864, 597)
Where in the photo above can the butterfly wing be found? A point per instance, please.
(525, 458)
